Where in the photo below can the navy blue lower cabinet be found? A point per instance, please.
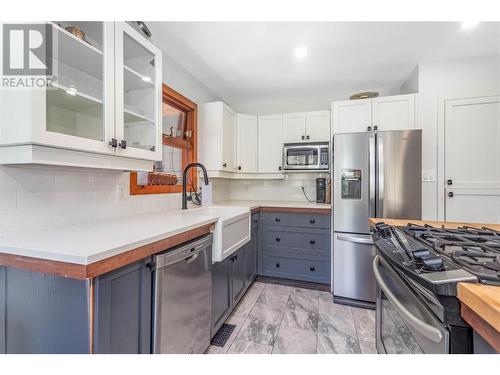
(251, 254)
(221, 293)
(295, 246)
(43, 314)
(123, 310)
(238, 274)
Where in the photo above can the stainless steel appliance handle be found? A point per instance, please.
(423, 328)
(191, 258)
(366, 241)
(372, 175)
(380, 173)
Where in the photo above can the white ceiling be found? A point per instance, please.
(246, 62)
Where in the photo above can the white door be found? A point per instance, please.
(351, 116)
(294, 127)
(394, 112)
(138, 74)
(270, 143)
(228, 140)
(247, 143)
(77, 111)
(472, 159)
(318, 126)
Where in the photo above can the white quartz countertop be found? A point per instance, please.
(251, 204)
(89, 242)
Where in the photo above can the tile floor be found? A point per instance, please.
(279, 319)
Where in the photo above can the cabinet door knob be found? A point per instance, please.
(303, 137)
(312, 269)
(375, 127)
(277, 219)
(239, 167)
(449, 182)
(279, 168)
(278, 239)
(224, 165)
(123, 144)
(450, 194)
(277, 265)
(307, 137)
(113, 143)
(312, 221)
(369, 128)
(312, 242)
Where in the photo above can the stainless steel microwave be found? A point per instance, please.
(306, 156)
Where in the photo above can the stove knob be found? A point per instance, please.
(419, 254)
(432, 263)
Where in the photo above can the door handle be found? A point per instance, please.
(364, 241)
(191, 258)
(432, 333)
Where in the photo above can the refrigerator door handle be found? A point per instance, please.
(364, 241)
(380, 175)
(372, 175)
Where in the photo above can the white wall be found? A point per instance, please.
(34, 197)
(410, 86)
(468, 77)
(303, 103)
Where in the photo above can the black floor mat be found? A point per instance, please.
(222, 335)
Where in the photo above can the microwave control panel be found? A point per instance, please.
(323, 159)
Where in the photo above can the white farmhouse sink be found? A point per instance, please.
(232, 230)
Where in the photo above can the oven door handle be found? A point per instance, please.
(364, 241)
(432, 333)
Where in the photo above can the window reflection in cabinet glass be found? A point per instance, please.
(74, 103)
(139, 103)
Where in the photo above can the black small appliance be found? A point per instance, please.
(321, 190)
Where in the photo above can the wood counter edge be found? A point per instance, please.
(89, 271)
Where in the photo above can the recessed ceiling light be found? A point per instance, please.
(300, 52)
(469, 24)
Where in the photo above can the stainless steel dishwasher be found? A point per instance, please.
(182, 304)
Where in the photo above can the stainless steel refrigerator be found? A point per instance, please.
(375, 174)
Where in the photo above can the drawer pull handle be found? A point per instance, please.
(278, 239)
(277, 265)
(312, 269)
(277, 219)
(312, 221)
(312, 242)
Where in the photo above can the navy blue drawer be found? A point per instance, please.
(296, 220)
(313, 241)
(317, 271)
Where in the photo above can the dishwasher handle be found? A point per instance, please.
(187, 252)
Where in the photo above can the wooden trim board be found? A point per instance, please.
(486, 331)
(484, 300)
(82, 271)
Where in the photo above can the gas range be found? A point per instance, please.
(417, 269)
(439, 258)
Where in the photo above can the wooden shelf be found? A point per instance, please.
(176, 142)
(78, 54)
(133, 80)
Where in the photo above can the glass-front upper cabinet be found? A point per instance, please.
(79, 101)
(138, 94)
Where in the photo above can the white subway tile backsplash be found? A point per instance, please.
(8, 198)
(26, 177)
(24, 219)
(73, 180)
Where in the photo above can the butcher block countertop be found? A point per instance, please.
(480, 303)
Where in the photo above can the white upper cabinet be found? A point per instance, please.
(394, 112)
(217, 137)
(247, 143)
(318, 126)
(138, 94)
(385, 113)
(103, 108)
(351, 116)
(270, 143)
(294, 127)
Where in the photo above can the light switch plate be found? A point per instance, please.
(429, 175)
